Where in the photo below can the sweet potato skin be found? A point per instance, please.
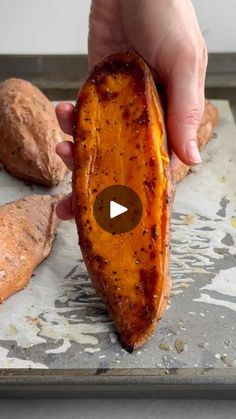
(29, 132)
(120, 139)
(27, 229)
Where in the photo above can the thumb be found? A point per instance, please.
(185, 109)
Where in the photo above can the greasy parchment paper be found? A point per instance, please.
(59, 322)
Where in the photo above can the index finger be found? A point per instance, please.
(65, 113)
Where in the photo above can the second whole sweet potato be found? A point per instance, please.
(27, 230)
(29, 133)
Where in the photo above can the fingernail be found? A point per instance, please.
(193, 152)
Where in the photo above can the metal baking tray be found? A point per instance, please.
(56, 338)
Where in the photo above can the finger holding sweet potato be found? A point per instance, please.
(209, 119)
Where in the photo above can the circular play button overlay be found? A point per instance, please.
(118, 209)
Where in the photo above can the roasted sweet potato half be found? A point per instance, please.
(27, 229)
(29, 133)
(120, 140)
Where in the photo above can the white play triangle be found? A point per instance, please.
(116, 209)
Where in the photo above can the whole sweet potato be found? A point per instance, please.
(29, 133)
(120, 139)
(27, 229)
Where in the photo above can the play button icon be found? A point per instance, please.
(117, 209)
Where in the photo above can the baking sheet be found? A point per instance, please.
(59, 322)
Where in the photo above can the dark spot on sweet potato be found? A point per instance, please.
(143, 119)
(152, 162)
(106, 95)
(148, 280)
(126, 113)
(99, 261)
(97, 78)
(154, 232)
(152, 255)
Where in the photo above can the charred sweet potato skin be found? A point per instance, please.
(27, 230)
(120, 139)
(29, 133)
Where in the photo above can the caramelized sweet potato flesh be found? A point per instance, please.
(120, 140)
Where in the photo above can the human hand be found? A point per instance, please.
(167, 35)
